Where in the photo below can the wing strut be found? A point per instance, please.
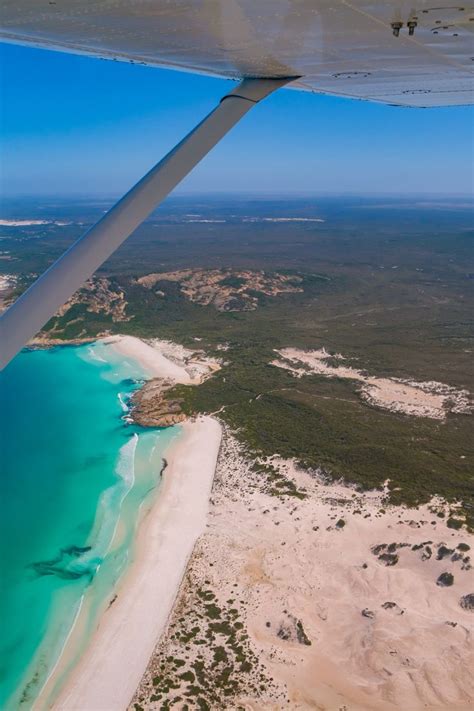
(50, 291)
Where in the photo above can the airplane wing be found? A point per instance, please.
(386, 51)
(390, 51)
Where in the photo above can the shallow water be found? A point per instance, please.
(74, 476)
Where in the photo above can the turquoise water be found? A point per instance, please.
(74, 474)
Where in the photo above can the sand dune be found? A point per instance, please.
(337, 593)
(425, 399)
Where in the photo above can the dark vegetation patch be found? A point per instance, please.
(234, 282)
(444, 552)
(389, 558)
(290, 629)
(467, 602)
(206, 659)
(386, 553)
(390, 605)
(276, 484)
(301, 634)
(445, 580)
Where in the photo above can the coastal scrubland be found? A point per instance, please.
(333, 599)
(386, 283)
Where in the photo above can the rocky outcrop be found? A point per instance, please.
(152, 407)
(291, 629)
(226, 290)
(99, 295)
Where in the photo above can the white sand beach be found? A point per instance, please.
(110, 670)
(163, 359)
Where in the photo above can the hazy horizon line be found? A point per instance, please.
(241, 194)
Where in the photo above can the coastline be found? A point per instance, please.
(79, 474)
(164, 359)
(289, 576)
(149, 358)
(167, 529)
(164, 543)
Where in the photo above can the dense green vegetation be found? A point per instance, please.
(323, 424)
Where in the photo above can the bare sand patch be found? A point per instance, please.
(421, 399)
(24, 223)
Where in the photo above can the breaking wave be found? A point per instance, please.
(74, 562)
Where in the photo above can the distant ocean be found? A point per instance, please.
(74, 475)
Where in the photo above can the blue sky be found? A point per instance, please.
(77, 125)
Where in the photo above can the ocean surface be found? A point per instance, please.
(75, 476)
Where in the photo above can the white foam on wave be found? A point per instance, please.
(126, 464)
(123, 404)
(152, 452)
(92, 351)
(110, 504)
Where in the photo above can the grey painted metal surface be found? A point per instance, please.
(41, 301)
(404, 52)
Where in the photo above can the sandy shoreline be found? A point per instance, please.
(110, 670)
(129, 630)
(166, 360)
(151, 359)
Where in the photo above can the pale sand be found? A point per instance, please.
(163, 359)
(150, 358)
(426, 399)
(29, 223)
(109, 672)
(23, 223)
(382, 637)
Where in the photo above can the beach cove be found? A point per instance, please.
(93, 514)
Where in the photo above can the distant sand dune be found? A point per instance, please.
(425, 399)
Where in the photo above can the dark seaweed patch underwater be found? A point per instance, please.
(68, 565)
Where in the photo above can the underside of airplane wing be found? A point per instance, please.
(383, 51)
(390, 51)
